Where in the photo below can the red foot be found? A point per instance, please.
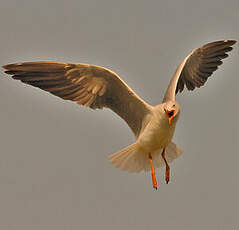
(154, 181)
(167, 171)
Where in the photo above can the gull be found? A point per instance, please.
(97, 87)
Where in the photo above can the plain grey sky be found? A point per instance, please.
(54, 170)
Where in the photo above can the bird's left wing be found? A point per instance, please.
(197, 67)
(88, 85)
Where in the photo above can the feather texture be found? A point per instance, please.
(89, 85)
(197, 67)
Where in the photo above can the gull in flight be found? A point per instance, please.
(97, 87)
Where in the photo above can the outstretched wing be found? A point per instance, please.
(88, 85)
(197, 67)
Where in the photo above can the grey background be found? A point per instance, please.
(54, 171)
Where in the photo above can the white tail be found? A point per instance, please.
(134, 159)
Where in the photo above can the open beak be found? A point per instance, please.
(170, 114)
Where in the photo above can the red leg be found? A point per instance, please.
(154, 181)
(167, 172)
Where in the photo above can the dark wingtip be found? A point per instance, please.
(5, 66)
(230, 42)
(11, 72)
(10, 66)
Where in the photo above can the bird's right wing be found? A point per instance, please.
(197, 67)
(88, 85)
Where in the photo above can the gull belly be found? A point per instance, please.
(158, 133)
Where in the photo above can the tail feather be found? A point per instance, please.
(127, 159)
(172, 152)
(134, 159)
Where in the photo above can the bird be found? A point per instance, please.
(97, 87)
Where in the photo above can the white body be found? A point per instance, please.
(156, 134)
